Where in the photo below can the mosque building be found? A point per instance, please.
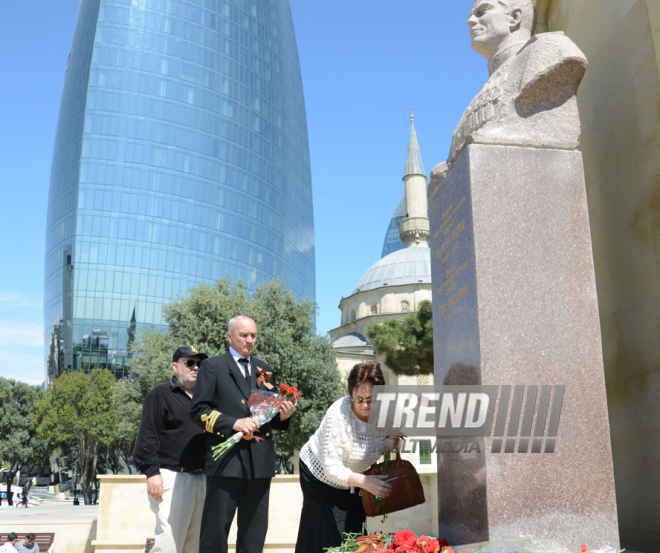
(393, 287)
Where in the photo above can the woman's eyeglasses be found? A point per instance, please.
(360, 400)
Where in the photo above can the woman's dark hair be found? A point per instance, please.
(365, 372)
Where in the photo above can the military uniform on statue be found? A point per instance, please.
(240, 478)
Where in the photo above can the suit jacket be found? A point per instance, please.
(221, 397)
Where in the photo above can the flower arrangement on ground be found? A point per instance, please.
(264, 406)
(404, 541)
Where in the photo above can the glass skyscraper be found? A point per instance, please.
(181, 156)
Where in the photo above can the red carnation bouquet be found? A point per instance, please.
(404, 541)
(264, 406)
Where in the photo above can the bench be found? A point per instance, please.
(149, 545)
(43, 539)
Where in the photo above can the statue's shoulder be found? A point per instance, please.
(555, 37)
(550, 49)
(550, 64)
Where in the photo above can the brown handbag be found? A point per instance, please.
(407, 490)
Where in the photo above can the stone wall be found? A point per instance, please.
(125, 520)
(619, 102)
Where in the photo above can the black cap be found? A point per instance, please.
(187, 351)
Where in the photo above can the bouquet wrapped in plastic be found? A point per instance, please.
(264, 406)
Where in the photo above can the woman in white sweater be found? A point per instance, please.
(332, 463)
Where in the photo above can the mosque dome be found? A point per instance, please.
(407, 266)
(351, 340)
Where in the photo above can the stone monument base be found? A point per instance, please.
(515, 305)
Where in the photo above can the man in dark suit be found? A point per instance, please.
(240, 478)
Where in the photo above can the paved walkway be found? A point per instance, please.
(49, 513)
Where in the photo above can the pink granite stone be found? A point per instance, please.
(514, 300)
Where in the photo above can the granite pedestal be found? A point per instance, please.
(514, 304)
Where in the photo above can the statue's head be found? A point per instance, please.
(494, 22)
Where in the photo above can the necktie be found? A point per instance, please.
(245, 363)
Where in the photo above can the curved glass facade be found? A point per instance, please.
(392, 241)
(181, 156)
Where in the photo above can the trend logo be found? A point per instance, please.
(519, 419)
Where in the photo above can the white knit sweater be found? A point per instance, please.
(341, 446)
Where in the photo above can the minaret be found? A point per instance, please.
(414, 229)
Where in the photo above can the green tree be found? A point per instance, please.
(78, 414)
(151, 363)
(287, 341)
(407, 344)
(19, 444)
(151, 366)
(127, 401)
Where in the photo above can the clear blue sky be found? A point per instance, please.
(365, 63)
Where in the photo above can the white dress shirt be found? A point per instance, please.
(238, 356)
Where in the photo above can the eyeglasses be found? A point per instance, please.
(360, 400)
(190, 363)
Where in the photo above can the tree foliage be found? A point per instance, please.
(152, 362)
(78, 413)
(19, 444)
(287, 341)
(151, 366)
(127, 403)
(407, 344)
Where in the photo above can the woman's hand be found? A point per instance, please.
(374, 483)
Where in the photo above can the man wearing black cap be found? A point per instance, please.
(170, 450)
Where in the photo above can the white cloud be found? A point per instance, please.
(11, 300)
(21, 337)
(17, 335)
(26, 367)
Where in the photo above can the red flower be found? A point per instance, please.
(447, 549)
(406, 549)
(405, 537)
(432, 546)
(443, 544)
(427, 545)
(392, 546)
(289, 392)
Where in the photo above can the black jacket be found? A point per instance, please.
(167, 436)
(220, 398)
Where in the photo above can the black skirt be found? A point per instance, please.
(327, 514)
